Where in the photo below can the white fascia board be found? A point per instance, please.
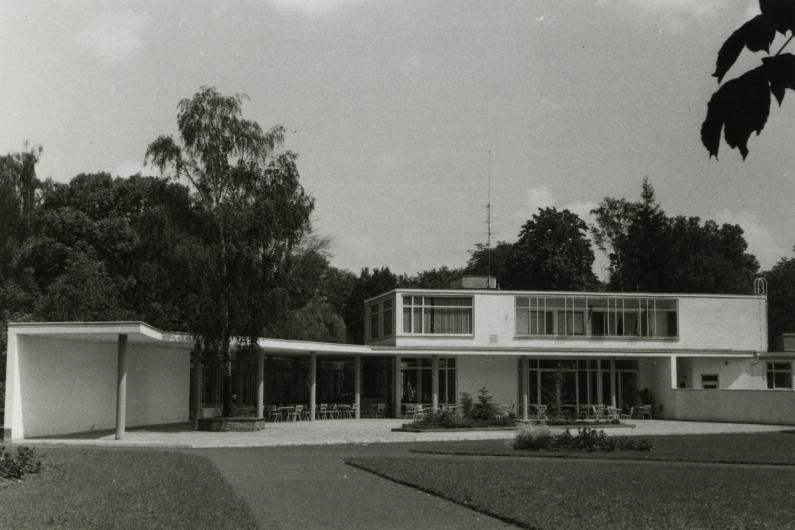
(297, 346)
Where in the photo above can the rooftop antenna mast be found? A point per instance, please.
(488, 225)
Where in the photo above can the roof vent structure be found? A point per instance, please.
(474, 282)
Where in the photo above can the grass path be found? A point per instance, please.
(311, 487)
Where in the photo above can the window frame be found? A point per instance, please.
(377, 313)
(774, 367)
(412, 311)
(646, 316)
(707, 382)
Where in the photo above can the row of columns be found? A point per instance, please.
(263, 384)
(524, 390)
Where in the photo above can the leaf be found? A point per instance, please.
(781, 74)
(756, 34)
(740, 107)
(782, 11)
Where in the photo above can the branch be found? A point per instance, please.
(785, 44)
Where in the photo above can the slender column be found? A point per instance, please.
(239, 378)
(397, 385)
(268, 377)
(357, 383)
(121, 388)
(312, 384)
(434, 381)
(525, 378)
(419, 382)
(197, 384)
(612, 381)
(599, 383)
(260, 383)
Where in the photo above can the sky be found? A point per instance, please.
(402, 111)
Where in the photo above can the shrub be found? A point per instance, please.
(540, 438)
(466, 404)
(14, 467)
(483, 409)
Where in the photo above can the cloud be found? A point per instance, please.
(132, 167)
(542, 197)
(313, 7)
(115, 36)
(761, 242)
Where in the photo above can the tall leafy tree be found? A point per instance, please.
(492, 261)
(367, 285)
(781, 299)
(553, 253)
(610, 235)
(431, 279)
(707, 258)
(647, 246)
(741, 106)
(255, 206)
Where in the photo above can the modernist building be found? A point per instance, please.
(692, 357)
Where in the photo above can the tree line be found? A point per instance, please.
(220, 245)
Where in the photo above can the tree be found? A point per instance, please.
(781, 299)
(647, 246)
(709, 259)
(256, 212)
(552, 254)
(367, 285)
(491, 261)
(741, 106)
(432, 279)
(610, 234)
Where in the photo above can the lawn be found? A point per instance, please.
(117, 488)
(758, 448)
(564, 494)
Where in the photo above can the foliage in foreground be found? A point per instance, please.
(473, 415)
(13, 467)
(125, 489)
(542, 439)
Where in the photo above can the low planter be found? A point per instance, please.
(453, 429)
(231, 424)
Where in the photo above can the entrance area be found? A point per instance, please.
(582, 382)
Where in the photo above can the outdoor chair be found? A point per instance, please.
(600, 412)
(296, 414)
(305, 412)
(380, 411)
(644, 410)
(612, 413)
(333, 412)
(625, 416)
(541, 411)
(419, 413)
(582, 412)
(350, 412)
(321, 412)
(274, 414)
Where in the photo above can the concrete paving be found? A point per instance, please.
(364, 431)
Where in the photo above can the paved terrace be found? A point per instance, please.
(334, 432)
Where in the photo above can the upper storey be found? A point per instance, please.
(478, 318)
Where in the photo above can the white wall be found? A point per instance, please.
(735, 406)
(705, 323)
(70, 386)
(499, 374)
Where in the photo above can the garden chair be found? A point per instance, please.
(600, 412)
(612, 413)
(350, 412)
(409, 411)
(380, 411)
(296, 414)
(582, 412)
(333, 412)
(419, 413)
(644, 410)
(625, 416)
(274, 414)
(541, 411)
(322, 411)
(305, 412)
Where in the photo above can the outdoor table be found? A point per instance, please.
(373, 410)
(344, 410)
